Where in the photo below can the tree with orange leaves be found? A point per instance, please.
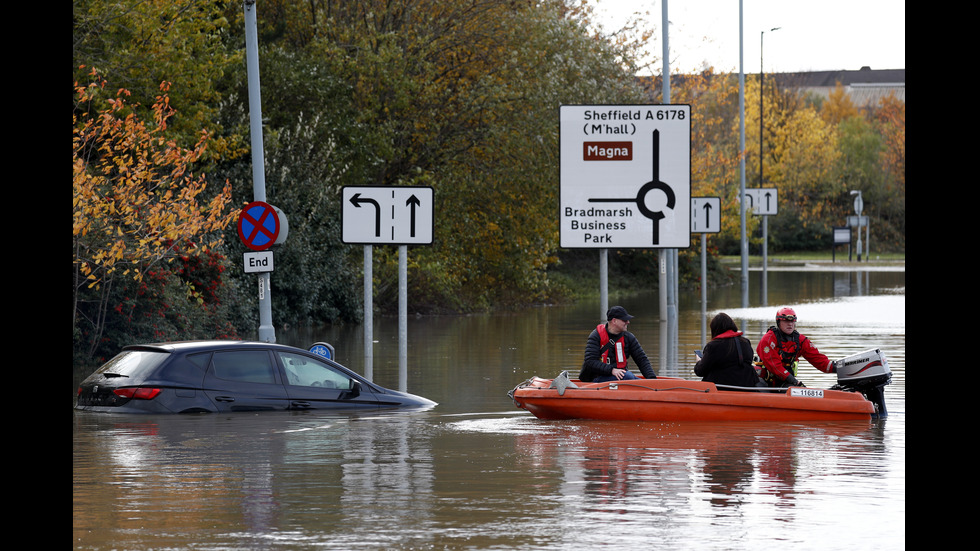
(136, 205)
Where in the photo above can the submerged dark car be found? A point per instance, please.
(223, 376)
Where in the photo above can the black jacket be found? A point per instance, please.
(720, 362)
(593, 366)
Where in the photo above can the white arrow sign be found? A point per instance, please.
(705, 215)
(762, 200)
(401, 215)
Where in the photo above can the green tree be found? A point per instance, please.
(314, 146)
(459, 96)
(141, 43)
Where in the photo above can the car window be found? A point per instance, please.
(186, 369)
(250, 366)
(200, 361)
(305, 371)
(134, 362)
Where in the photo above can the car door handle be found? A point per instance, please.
(300, 404)
(224, 399)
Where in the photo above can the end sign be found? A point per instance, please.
(258, 262)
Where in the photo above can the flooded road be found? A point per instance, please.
(475, 473)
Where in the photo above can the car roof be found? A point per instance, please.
(192, 346)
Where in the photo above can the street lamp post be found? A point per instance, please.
(765, 219)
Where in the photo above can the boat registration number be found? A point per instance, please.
(806, 392)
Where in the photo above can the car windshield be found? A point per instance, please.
(304, 371)
(132, 362)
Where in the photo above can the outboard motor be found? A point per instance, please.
(868, 373)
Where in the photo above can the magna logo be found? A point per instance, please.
(607, 151)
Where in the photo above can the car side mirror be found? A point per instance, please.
(355, 389)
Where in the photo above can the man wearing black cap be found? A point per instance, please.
(609, 347)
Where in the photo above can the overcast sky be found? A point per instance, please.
(812, 36)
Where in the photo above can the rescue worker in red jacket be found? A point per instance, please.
(609, 348)
(780, 348)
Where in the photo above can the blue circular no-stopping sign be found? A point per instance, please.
(258, 225)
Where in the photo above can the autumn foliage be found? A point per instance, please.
(136, 204)
(814, 151)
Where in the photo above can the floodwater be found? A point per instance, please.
(475, 473)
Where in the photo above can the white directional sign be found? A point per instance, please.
(705, 215)
(625, 176)
(401, 215)
(762, 200)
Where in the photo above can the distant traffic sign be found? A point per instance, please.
(400, 215)
(625, 176)
(258, 225)
(763, 201)
(705, 215)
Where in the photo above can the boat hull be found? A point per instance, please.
(669, 399)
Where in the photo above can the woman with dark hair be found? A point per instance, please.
(727, 359)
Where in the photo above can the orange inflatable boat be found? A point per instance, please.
(859, 394)
(669, 399)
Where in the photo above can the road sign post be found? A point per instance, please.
(400, 215)
(763, 202)
(705, 219)
(625, 179)
(260, 226)
(858, 208)
(267, 333)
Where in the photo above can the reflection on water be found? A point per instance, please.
(475, 473)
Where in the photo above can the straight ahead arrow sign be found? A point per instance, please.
(403, 215)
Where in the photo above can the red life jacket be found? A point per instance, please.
(605, 345)
(790, 348)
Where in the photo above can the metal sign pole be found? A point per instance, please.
(765, 261)
(704, 287)
(858, 207)
(603, 283)
(369, 312)
(267, 332)
(403, 318)
(741, 162)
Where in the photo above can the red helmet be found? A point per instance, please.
(785, 314)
